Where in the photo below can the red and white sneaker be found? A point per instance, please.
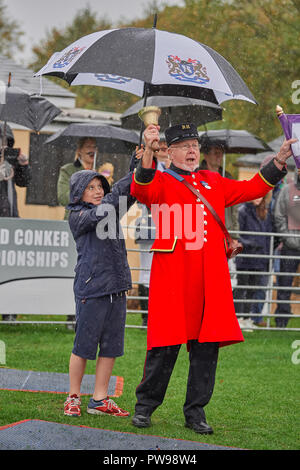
(72, 406)
(106, 407)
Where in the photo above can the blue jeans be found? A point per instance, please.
(250, 294)
(259, 294)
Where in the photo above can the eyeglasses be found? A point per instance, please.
(186, 147)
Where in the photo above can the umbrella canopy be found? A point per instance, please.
(150, 56)
(103, 132)
(175, 110)
(28, 110)
(109, 139)
(234, 141)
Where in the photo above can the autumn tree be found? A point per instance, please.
(91, 97)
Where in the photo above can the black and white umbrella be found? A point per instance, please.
(132, 59)
(104, 133)
(233, 141)
(175, 110)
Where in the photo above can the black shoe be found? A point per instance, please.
(201, 427)
(141, 421)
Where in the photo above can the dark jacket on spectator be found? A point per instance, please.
(253, 244)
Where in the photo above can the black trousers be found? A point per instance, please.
(158, 368)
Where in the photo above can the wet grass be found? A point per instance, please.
(254, 406)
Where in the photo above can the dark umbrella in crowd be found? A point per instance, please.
(28, 110)
(175, 110)
(233, 141)
(109, 139)
(141, 60)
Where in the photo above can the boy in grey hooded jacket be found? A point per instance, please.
(101, 281)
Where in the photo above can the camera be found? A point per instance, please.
(11, 155)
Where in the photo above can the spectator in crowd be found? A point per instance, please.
(84, 160)
(14, 170)
(254, 216)
(287, 221)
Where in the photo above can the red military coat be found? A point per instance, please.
(190, 294)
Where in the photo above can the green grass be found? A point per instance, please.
(255, 404)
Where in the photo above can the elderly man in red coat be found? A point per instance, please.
(195, 306)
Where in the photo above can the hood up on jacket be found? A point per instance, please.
(78, 183)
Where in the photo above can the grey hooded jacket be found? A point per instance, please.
(102, 266)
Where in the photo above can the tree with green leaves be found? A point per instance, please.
(261, 41)
(92, 97)
(259, 38)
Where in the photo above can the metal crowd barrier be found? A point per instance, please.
(270, 287)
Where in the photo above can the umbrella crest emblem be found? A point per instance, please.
(106, 77)
(190, 70)
(68, 57)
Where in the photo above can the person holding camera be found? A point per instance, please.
(14, 170)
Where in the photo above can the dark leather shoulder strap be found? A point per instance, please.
(203, 199)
